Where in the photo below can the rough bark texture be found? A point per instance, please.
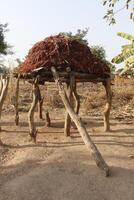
(40, 104)
(67, 125)
(5, 83)
(107, 85)
(47, 76)
(32, 128)
(1, 86)
(16, 101)
(48, 120)
(81, 128)
(41, 108)
(76, 98)
(1, 83)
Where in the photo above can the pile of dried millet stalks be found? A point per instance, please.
(62, 52)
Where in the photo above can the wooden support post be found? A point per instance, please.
(41, 108)
(107, 85)
(76, 98)
(67, 125)
(32, 128)
(5, 83)
(16, 101)
(48, 120)
(1, 83)
(80, 126)
(40, 103)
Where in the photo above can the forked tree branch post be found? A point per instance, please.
(77, 99)
(16, 101)
(5, 83)
(69, 91)
(1, 83)
(40, 108)
(107, 85)
(32, 127)
(40, 103)
(80, 126)
(48, 120)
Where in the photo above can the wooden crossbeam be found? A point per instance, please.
(45, 76)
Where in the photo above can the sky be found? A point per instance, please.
(32, 20)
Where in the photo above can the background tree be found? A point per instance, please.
(127, 54)
(5, 48)
(97, 50)
(80, 35)
(112, 9)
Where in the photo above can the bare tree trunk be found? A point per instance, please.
(107, 85)
(16, 101)
(5, 83)
(32, 128)
(80, 126)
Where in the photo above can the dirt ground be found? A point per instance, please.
(60, 168)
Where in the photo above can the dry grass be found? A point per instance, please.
(92, 96)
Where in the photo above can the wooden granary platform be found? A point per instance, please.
(66, 62)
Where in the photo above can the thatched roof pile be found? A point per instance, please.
(63, 52)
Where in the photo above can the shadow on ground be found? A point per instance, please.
(66, 178)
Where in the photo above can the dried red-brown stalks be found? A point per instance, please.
(61, 52)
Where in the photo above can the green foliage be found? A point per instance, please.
(98, 51)
(127, 53)
(112, 67)
(80, 35)
(3, 45)
(119, 70)
(111, 9)
(3, 69)
(126, 36)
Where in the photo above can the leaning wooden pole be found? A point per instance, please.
(16, 101)
(80, 126)
(32, 127)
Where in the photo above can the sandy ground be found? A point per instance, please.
(60, 168)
